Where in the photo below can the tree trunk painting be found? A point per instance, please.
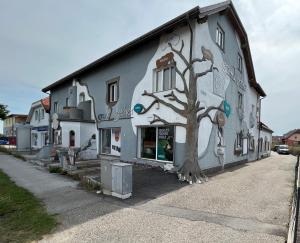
(191, 109)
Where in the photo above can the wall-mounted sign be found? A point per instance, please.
(138, 108)
(120, 113)
(227, 108)
(164, 60)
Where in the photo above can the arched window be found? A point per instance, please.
(81, 97)
(72, 139)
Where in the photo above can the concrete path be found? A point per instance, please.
(246, 204)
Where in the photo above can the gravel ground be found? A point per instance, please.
(246, 204)
(260, 190)
(131, 225)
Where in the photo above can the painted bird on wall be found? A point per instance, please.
(207, 55)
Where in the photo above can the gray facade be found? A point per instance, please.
(130, 67)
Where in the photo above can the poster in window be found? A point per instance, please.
(165, 143)
(116, 141)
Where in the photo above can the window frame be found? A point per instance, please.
(55, 107)
(139, 143)
(171, 81)
(240, 104)
(81, 97)
(42, 114)
(219, 30)
(240, 63)
(36, 115)
(110, 83)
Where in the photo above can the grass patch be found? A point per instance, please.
(22, 216)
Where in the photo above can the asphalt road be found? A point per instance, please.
(246, 204)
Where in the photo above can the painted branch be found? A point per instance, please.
(159, 119)
(206, 112)
(198, 60)
(198, 75)
(174, 108)
(186, 90)
(173, 97)
(145, 110)
(179, 91)
(179, 53)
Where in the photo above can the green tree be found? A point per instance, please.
(3, 111)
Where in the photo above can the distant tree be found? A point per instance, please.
(3, 111)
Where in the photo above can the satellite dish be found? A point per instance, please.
(55, 122)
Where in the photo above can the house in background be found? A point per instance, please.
(265, 140)
(277, 140)
(38, 118)
(128, 90)
(292, 138)
(9, 126)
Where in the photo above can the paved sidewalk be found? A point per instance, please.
(246, 204)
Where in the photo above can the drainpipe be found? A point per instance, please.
(50, 137)
(259, 128)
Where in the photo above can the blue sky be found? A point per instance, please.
(42, 41)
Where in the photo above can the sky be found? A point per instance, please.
(43, 41)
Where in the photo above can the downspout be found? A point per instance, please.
(259, 128)
(50, 135)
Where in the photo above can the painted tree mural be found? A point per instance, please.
(191, 108)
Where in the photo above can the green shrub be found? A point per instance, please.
(55, 170)
(295, 150)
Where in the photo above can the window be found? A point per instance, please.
(240, 62)
(34, 139)
(220, 37)
(165, 79)
(36, 115)
(67, 102)
(113, 92)
(111, 141)
(55, 107)
(81, 97)
(157, 143)
(240, 100)
(72, 139)
(42, 113)
(239, 140)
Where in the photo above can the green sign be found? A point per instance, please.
(138, 108)
(165, 143)
(227, 108)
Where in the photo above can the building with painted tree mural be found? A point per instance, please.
(184, 96)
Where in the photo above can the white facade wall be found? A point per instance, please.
(266, 138)
(83, 132)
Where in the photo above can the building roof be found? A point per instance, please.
(198, 13)
(263, 126)
(45, 102)
(290, 133)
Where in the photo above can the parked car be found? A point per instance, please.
(4, 141)
(275, 148)
(283, 149)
